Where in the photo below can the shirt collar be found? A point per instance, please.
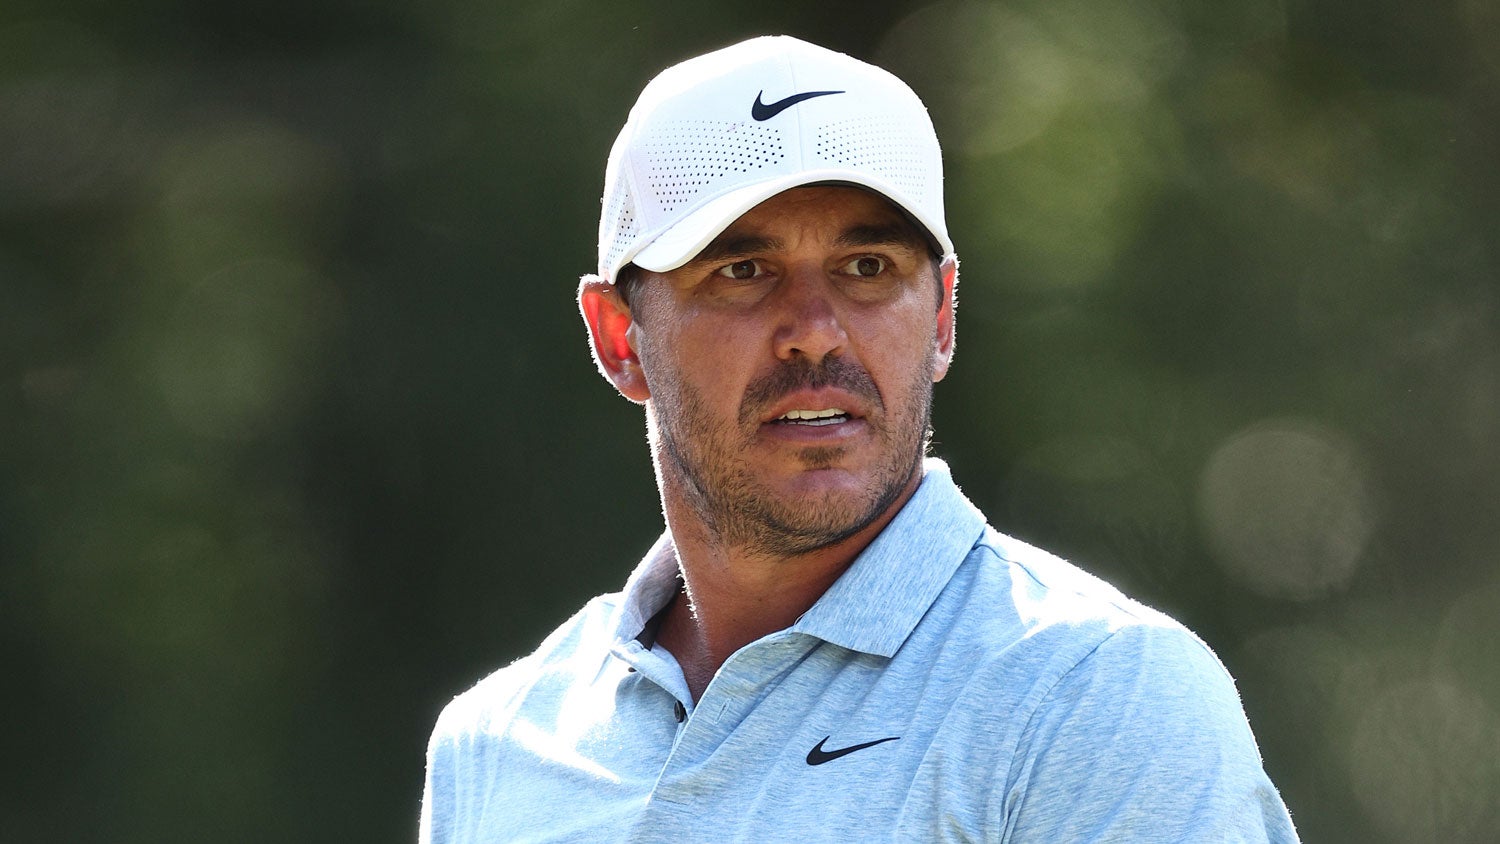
(653, 583)
(874, 605)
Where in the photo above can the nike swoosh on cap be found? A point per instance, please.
(764, 111)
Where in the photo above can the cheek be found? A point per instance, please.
(679, 364)
(903, 342)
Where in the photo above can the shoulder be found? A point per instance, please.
(489, 705)
(1034, 641)
(1120, 632)
(466, 749)
(1059, 650)
(1104, 636)
(1025, 602)
(1146, 685)
(1143, 738)
(1047, 589)
(1132, 727)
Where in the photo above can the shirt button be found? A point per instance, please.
(680, 711)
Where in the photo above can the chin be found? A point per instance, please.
(827, 507)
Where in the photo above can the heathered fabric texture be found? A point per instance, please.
(1032, 703)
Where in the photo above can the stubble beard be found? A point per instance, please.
(703, 458)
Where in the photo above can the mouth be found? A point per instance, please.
(813, 418)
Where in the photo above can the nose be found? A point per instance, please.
(808, 321)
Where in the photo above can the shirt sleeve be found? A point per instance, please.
(1144, 739)
(437, 792)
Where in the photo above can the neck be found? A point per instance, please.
(736, 596)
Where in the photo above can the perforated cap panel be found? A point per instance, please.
(687, 158)
(880, 145)
(619, 216)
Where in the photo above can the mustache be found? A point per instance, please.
(800, 374)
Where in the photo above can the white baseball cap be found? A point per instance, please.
(716, 135)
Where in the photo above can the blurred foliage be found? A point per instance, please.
(299, 435)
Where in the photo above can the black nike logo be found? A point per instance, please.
(762, 111)
(818, 755)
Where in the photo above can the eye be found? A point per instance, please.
(740, 270)
(866, 266)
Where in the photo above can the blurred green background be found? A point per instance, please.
(299, 435)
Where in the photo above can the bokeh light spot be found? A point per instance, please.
(1060, 135)
(1468, 640)
(1425, 763)
(1287, 508)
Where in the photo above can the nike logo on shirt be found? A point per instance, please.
(818, 755)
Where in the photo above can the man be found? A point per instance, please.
(827, 643)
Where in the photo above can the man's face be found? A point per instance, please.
(790, 369)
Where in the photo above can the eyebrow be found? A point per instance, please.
(724, 247)
(881, 235)
(730, 245)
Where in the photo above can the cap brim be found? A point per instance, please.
(681, 242)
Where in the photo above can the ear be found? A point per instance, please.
(942, 354)
(611, 338)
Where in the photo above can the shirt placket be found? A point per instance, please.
(690, 774)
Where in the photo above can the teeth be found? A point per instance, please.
(814, 417)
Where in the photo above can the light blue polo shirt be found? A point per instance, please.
(954, 685)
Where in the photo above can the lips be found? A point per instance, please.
(812, 408)
(806, 395)
(826, 416)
